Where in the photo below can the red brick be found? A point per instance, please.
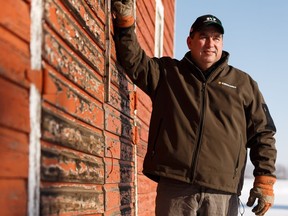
(64, 95)
(143, 112)
(14, 148)
(73, 34)
(14, 106)
(118, 148)
(146, 202)
(66, 165)
(146, 185)
(71, 199)
(15, 16)
(112, 196)
(118, 123)
(13, 197)
(15, 65)
(145, 19)
(60, 56)
(61, 128)
(98, 7)
(87, 145)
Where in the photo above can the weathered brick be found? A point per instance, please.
(120, 79)
(120, 198)
(62, 22)
(61, 164)
(119, 148)
(61, 199)
(89, 22)
(66, 97)
(87, 145)
(119, 171)
(64, 130)
(60, 56)
(121, 102)
(118, 123)
(127, 195)
(98, 7)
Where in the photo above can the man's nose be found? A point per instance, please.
(209, 41)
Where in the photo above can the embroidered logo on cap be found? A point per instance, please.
(210, 19)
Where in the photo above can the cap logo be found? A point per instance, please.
(211, 19)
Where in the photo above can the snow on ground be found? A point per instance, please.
(280, 207)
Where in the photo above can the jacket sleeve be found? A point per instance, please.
(260, 134)
(141, 69)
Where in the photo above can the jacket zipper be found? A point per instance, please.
(196, 152)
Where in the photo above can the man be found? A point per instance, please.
(206, 114)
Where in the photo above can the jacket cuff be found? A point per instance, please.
(265, 180)
(124, 22)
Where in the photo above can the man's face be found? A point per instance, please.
(206, 46)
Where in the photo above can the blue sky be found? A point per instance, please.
(256, 36)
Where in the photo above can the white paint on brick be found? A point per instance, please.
(34, 152)
(135, 152)
(35, 110)
(136, 179)
(36, 33)
(135, 146)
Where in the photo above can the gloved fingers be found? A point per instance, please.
(117, 6)
(252, 197)
(127, 1)
(122, 9)
(263, 210)
(251, 201)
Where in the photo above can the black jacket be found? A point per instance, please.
(200, 128)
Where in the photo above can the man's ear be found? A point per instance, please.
(188, 42)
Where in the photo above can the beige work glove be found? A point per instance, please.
(263, 191)
(123, 13)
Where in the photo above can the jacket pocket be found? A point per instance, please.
(236, 168)
(153, 152)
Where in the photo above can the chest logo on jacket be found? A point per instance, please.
(227, 85)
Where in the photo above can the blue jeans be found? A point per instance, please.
(175, 198)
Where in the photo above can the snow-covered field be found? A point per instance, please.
(280, 207)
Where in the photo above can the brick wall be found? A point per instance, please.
(14, 106)
(92, 139)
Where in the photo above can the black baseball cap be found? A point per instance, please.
(206, 20)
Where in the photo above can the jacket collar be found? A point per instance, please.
(217, 66)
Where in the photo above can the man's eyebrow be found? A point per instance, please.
(214, 34)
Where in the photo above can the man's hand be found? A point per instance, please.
(263, 191)
(123, 13)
